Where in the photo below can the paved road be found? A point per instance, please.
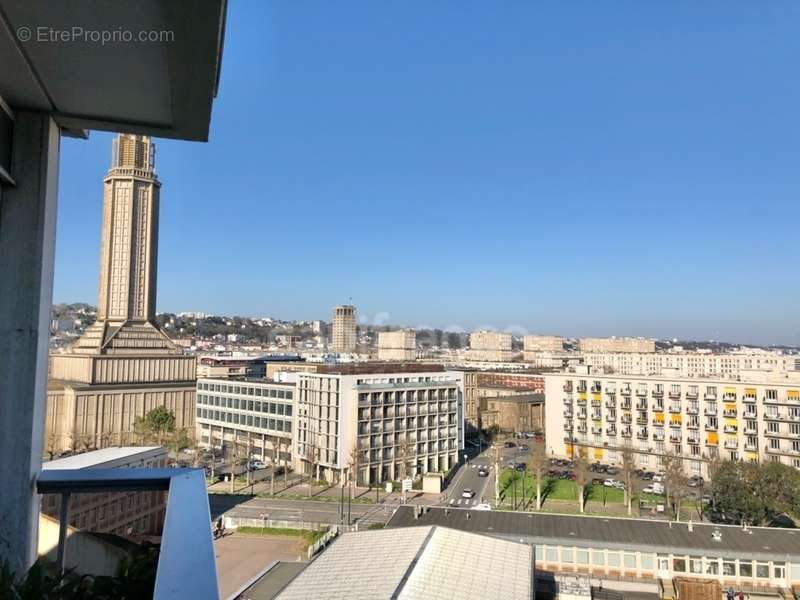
(295, 510)
(467, 478)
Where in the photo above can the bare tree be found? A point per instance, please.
(674, 482)
(628, 476)
(403, 452)
(273, 466)
(235, 452)
(538, 467)
(581, 472)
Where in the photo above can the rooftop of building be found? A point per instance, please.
(425, 562)
(271, 581)
(254, 380)
(612, 533)
(102, 457)
(376, 368)
(745, 377)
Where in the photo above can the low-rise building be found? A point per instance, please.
(122, 513)
(515, 412)
(252, 415)
(632, 555)
(485, 384)
(491, 346)
(754, 419)
(383, 420)
(397, 345)
(228, 367)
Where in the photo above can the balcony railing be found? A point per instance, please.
(186, 563)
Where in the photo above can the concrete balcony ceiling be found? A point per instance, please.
(162, 88)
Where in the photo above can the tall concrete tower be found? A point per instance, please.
(123, 366)
(129, 240)
(343, 332)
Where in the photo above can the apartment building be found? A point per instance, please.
(542, 343)
(254, 414)
(122, 513)
(380, 419)
(397, 345)
(343, 329)
(615, 344)
(490, 346)
(691, 364)
(481, 385)
(755, 419)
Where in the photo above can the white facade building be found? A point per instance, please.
(354, 411)
(397, 345)
(756, 419)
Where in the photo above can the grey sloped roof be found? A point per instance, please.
(614, 533)
(416, 563)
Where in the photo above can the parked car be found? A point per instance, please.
(257, 464)
(653, 488)
(509, 445)
(613, 483)
(597, 481)
(468, 493)
(612, 471)
(524, 447)
(695, 481)
(648, 475)
(520, 466)
(658, 477)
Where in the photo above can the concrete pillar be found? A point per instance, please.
(27, 249)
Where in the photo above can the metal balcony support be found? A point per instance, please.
(186, 563)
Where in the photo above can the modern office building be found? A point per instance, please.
(754, 419)
(691, 364)
(481, 385)
(252, 414)
(123, 365)
(397, 345)
(491, 346)
(632, 556)
(344, 329)
(615, 344)
(390, 418)
(123, 513)
(542, 343)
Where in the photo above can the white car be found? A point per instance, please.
(653, 488)
(658, 478)
(613, 483)
(467, 494)
(257, 464)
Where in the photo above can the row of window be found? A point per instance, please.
(246, 390)
(696, 565)
(247, 420)
(275, 408)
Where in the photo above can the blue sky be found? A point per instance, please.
(580, 168)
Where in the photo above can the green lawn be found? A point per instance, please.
(310, 536)
(561, 489)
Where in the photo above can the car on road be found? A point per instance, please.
(520, 466)
(658, 477)
(612, 471)
(524, 447)
(483, 472)
(468, 493)
(647, 476)
(257, 464)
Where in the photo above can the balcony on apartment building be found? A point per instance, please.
(675, 394)
(61, 89)
(692, 394)
(626, 404)
(751, 446)
(729, 413)
(610, 404)
(567, 387)
(658, 393)
(626, 391)
(611, 390)
(611, 431)
(711, 396)
(658, 436)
